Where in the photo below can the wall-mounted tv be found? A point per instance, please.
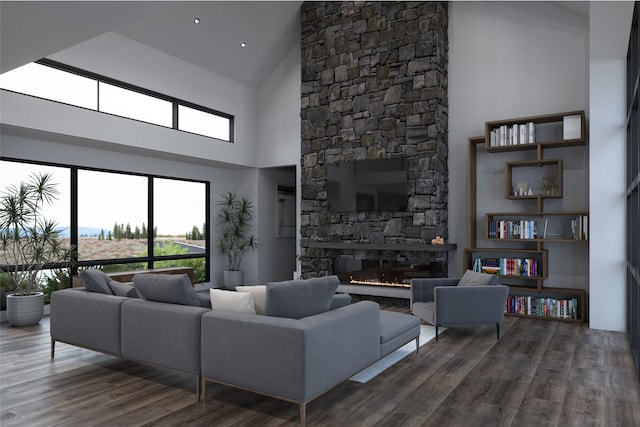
(368, 185)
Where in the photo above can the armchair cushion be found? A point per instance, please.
(473, 278)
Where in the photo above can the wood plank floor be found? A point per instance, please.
(540, 373)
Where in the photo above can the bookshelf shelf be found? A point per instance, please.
(517, 251)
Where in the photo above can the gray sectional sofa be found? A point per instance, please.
(305, 347)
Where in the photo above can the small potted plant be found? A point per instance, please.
(234, 218)
(28, 242)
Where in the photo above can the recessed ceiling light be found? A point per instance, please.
(243, 44)
(196, 21)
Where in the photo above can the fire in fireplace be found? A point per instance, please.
(380, 273)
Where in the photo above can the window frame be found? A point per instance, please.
(134, 88)
(75, 264)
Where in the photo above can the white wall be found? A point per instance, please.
(609, 37)
(279, 114)
(508, 60)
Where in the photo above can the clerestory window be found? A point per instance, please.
(69, 85)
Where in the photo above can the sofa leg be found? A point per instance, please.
(202, 396)
(436, 332)
(198, 388)
(498, 329)
(303, 413)
(418, 344)
(53, 347)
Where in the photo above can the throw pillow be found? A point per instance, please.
(232, 301)
(259, 293)
(171, 288)
(123, 289)
(473, 278)
(96, 281)
(300, 298)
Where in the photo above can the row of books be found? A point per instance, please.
(517, 134)
(518, 229)
(566, 308)
(520, 267)
(555, 228)
(580, 227)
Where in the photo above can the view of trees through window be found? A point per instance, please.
(124, 221)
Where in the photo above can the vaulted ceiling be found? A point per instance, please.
(31, 30)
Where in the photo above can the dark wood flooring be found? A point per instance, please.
(540, 373)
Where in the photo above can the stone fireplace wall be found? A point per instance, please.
(374, 85)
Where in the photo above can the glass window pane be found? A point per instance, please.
(203, 123)
(51, 83)
(184, 223)
(112, 215)
(135, 105)
(180, 231)
(57, 210)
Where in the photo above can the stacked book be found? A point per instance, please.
(515, 134)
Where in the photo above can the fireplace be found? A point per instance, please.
(384, 273)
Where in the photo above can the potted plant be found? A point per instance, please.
(28, 242)
(234, 220)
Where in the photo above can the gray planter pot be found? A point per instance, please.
(25, 310)
(233, 278)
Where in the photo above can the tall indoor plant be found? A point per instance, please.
(28, 242)
(234, 218)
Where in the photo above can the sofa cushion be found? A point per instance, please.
(340, 300)
(123, 289)
(473, 278)
(296, 299)
(171, 288)
(232, 301)
(259, 293)
(96, 281)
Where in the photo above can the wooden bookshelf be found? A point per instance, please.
(521, 236)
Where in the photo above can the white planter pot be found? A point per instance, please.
(232, 279)
(25, 310)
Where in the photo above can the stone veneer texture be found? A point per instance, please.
(374, 85)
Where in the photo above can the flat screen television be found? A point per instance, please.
(368, 185)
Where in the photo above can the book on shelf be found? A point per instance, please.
(514, 267)
(516, 229)
(571, 127)
(516, 134)
(525, 305)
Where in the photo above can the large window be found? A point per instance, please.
(59, 82)
(633, 189)
(123, 221)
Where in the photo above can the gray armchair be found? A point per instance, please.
(478, 300)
